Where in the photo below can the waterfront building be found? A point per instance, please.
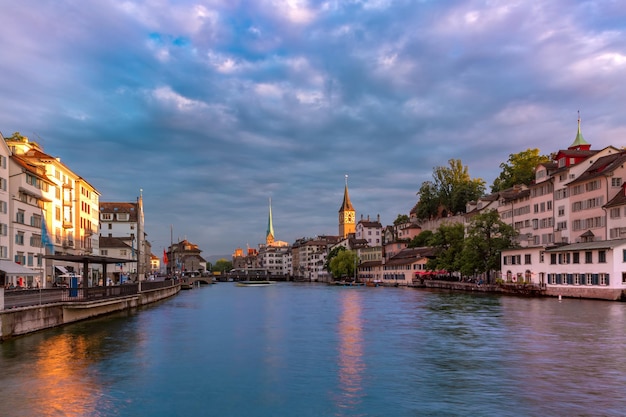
(184, 256)
(71, 213)
(577, 247)
(26, 208)
(403, 267)
(125, 221)
(309, 257)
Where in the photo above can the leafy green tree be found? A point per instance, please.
(344, 264)
(334, 252)
(448, 242)
(222, 265)
(428, 204)
(401, 219)
(451, 189)
(519, 169)
(487, 236)
(421, 240)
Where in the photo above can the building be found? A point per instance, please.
(571, 222)
(184, 256)
(370, 231)
(70, 209)
(125, 221)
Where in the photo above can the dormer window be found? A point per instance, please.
(562, 162)
(123, 217)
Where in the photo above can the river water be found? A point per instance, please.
(317, 350)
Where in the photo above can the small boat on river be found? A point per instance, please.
(255, 283)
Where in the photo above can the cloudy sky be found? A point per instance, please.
(213, 107)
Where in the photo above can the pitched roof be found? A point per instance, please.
(602, 167)
(600, 244)
(619, 199)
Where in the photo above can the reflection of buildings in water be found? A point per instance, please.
(63, 385)
(351, 365)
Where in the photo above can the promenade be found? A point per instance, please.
(30, 310)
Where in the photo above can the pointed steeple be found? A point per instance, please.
(579, 142)
(269, 235)
(346, 205)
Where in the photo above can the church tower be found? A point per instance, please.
(269, 235)
(347, 215)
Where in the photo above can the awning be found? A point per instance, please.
(11, 268)
(62, 269)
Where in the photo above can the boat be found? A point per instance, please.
(347, 283)
(255, 283)
(186, 285)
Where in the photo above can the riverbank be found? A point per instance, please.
(23, 320)
(526, 290)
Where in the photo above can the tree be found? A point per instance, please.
(428, 204)
(448, 242)
(222, 265)
(421, 240)
(334, 252)
(487, 236)
(344, 264)
(401, 219)
(451, 189)
(520, 169)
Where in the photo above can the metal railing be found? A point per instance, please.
(35, 297)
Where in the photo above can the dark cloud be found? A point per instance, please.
(213, 107)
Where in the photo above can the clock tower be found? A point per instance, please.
(347, 215)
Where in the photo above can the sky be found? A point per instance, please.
(211, 108)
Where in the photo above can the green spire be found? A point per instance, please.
(269, 236)
(579, 141)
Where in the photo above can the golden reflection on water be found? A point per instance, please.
(63, 386)
(351, 364)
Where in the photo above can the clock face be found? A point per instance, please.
(350, 217)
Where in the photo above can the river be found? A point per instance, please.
(317, 350)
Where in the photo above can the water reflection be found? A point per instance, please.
(64, 386)
(350, 360)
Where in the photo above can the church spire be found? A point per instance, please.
(579, 142)
(269, 235)
(346, 205)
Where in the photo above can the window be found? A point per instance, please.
(107, 216)
(19, 238)
(19, 217)
(588, 258)
(4, 229)
(35, 220)
(104, 252)
(602, 256)
(527, 259)
(603, 279)
(616, 182)
(3, 207)
(4, 252)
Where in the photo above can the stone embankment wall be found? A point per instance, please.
(20, 321)
(567, 291)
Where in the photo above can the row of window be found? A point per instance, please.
(563, 258)
(579, 279)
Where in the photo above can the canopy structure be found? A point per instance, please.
(89, 259)
(11, 268)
